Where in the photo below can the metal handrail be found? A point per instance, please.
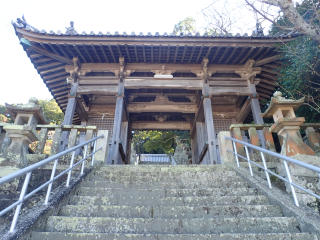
(28, 170)
(267, 171)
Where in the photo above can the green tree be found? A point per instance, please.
(185, 26)
(52, 111)
(5, 116)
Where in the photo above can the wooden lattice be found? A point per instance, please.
(221, 125)
(104, 124)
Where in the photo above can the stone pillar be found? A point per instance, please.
(312, 139)
(239, 146)
(256, 110)
(269, 139)
(225, 144)
(101, 156)
(42, 142)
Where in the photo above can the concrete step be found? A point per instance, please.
(169, 201)
(119, 192)
(223, 183)
(222, 236)
(172, 226)
(161, 176)
(171, 212)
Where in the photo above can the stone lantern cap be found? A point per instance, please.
(30, 108)
(279, 102)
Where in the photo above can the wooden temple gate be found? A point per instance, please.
(123, 82)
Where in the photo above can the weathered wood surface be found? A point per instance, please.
(134, 83)
(94, 89)
(149, 107)
(167, 125)
(239, 91)
(203, 153)
(67, 127)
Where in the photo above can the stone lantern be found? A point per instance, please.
(287, 124)
(22, 133)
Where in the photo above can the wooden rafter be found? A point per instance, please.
(199, 54)
(88, 53)
(54, 49)
(265, 53)
(268, 70)
(184, 53)
(79, 52)
(48, 82)
(267, 60)
(176, 54)
(208, 52)
(70, 50)
(168, 53)
(96, 53)
(269, 76)
(48, 65)
(61, 49)
(44, 47)
(231, 55)
(144, 53)
(104, 53)
(127, 51)
(61, 93)
(239, 55)
(215, 54)
(257, 53)
(51, 70)
(136, 53)
(42, 60)
(54, 75)
(268, 82)
(35, 55)
(160, 53)
(223, 54)
(112, 54)
(119, 51)
(247, 55)
(191, 55)
(151, 53)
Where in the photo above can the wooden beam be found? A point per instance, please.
(96, 53)
(239, 91)
(119, 51)
(79, 52)
(64, 87)
(247, 55)
(136, 53)
(127, 51)
(70, 50)
(53, 48)
(175, 107)
(61, 93)
(35, 55)
(48, 82)
(160, 53)
(203, 153)
(155, 125)
(215, 54)
(144, 53)
(244, 111)
(267, 86)
(209, 51)
(223, 54)
(176, 54)
(263, 54)
(231, 55)
(151, 53)
(87, 51)
(112, 54)
(199, 54)
(104, 53)
(42, 60)
(61, 49)
(51, 55)
(184, 53)
(269, 76)
(267, 60)
(44, 47)
(257, 53)
(268, 82)
(239, 55)
(49, 65)
(54, 75)
(269, 70)
(52, 70)
(168, 53)
(191, 55)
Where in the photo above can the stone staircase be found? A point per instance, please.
(169, 202)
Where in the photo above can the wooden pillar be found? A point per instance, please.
(255, 108)
(124, 140)
(68, 116)
(200, 140)
(210, 130)
(42, 142)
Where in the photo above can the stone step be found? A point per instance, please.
(161, 168)
(155, 163)
(160, 176)
(171, 212)
(223, 183)
(169, 201)
(119, 192)
(172, 226)
(222, 236)
(178, 179)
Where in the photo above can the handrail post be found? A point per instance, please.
(51, 179)
(94, 149)
(71, 166)
(235, 153)
(21, 198)
(290, 182)
(85, 155)
(248, 158)
(265, 169)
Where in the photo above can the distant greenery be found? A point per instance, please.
(156, 141)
